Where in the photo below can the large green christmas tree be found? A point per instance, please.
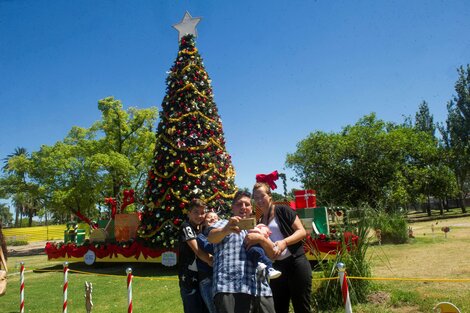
(190, 158)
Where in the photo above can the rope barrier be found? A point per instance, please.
(448, 280)
(343, 280)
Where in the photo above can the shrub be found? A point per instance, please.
(393, 226)
(16, 242)
(328, 295)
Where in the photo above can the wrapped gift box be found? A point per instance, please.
(109, 230)
(125, 226)
(305, 199)
(319, 216)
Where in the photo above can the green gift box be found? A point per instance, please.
(319, 216)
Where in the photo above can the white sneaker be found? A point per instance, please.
(261, 267)
(272, 273)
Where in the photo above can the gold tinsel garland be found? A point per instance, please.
(158, 229)
(202, 198)
(190, 148)
(186, 51)
(189, 85)
(192, 65)
(183, 165)
(178, 119)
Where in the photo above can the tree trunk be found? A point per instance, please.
(462, 205)
(429, 207)
(17, 213)
(446, 204)
(441, 207)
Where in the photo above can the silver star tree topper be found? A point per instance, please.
(187, 25)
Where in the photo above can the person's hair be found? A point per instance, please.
(196, 203)
(241, 194)
(262, 185)
(2, 242)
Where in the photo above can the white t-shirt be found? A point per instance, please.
(277, 235)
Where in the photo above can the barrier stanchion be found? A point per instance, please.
(66, 286)
(344, 287)
(129, 289)
(22, 287)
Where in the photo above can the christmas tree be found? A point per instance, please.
(190, 158)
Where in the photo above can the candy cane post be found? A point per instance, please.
(129, 289)
(66, 285)
(344, 287)
(22, 287)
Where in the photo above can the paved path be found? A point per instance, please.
(33, 248)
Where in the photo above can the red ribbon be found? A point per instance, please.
(268, 179)
(127, 199)
(113, 203)
(85, 219)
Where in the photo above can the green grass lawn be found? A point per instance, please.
(155, 288)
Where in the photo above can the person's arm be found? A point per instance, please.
(201, 254)
(266, 243)
(216, 235)
(298, 234)
(204, 244)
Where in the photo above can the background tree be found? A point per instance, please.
(127, 145)
(435, 179)
(456, 134)
(17, 183)
(89, 164)
(69, 177)
(372, 162)
(424, 120)
(5, 215)
(13, 177)
(190, 159)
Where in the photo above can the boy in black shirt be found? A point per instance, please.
(188, 250)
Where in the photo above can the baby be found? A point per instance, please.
(256, 253)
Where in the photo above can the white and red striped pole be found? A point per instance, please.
(129, 289)
(66, 286)
(22, 287)
(344, 287)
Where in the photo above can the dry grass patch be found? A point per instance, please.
(428, 255)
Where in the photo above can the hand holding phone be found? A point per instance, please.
(246, 223)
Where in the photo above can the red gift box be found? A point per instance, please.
(305, 199)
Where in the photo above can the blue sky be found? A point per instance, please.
(279, 69)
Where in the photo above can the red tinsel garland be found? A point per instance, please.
(135, 249)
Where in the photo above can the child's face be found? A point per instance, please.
(210, 218)
(196, 215)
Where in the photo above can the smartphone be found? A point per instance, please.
(247, 223)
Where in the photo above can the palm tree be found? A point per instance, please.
(17, 200)
(5, 215)
(18, 152)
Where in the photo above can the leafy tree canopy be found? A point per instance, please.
(88, 164)
(371, 162)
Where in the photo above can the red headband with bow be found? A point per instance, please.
(268, 179)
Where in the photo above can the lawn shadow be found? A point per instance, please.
(119, 269)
